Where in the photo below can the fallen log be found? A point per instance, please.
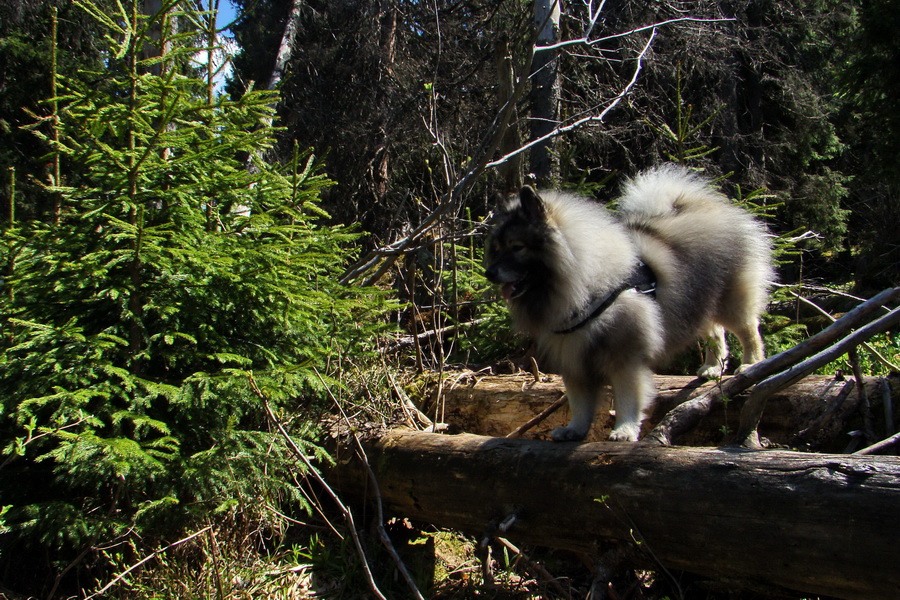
(814, 523)
(813, 414)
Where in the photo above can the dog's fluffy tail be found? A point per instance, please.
(665, 190)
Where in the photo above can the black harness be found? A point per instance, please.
(642, 280)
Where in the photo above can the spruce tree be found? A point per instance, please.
(129, 326)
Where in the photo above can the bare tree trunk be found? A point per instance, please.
(818, 524)
(544, 88)
(151, 8)
(286, 47)
(380, 170)
(510, 171)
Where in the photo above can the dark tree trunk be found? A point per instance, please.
(510, 171)
(544, 89)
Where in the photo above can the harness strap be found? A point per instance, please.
(642, 280)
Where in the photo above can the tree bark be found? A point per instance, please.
(286, 47)
(544, 88)
(820, 524)
(814, 414)
(511, 171)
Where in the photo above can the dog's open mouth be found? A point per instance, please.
(513, 290)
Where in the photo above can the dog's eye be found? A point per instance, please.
(516, 247)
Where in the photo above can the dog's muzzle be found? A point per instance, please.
(510, 288)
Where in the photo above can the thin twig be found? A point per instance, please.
(584, 120)
(584, 41)
(409, 340)
(382, 533)
(534, 566)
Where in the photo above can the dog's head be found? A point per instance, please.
(518, 250)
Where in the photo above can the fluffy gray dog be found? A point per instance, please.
(607, 297)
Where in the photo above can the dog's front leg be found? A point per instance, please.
(582, 404)
(633, 392)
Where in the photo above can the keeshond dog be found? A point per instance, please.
(608, 297)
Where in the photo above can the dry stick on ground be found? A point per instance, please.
(685, 416)
(345, 511)
(536, 567)
(544, 414)
(413, 414)
(756, 403)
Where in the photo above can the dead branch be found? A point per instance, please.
(880, 446)
(590, 119)
(124, 574)
(586, 41)
(752, 410)
(875, 353)
(410, 340)
(687, 415)
(541, 417)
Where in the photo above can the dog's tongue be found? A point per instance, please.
(507, 291)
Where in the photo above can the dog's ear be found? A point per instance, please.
(532, 204)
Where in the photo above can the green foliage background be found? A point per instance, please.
(130, 323)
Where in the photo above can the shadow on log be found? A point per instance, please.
(815, 523)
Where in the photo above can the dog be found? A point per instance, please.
(608, 297)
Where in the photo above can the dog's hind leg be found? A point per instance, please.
(751, 343)
(582, 404)
(715, 355)
(632, 392)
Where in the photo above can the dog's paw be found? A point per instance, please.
(710, 372)
(743, 367)
(624, 433)
(567, 434)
